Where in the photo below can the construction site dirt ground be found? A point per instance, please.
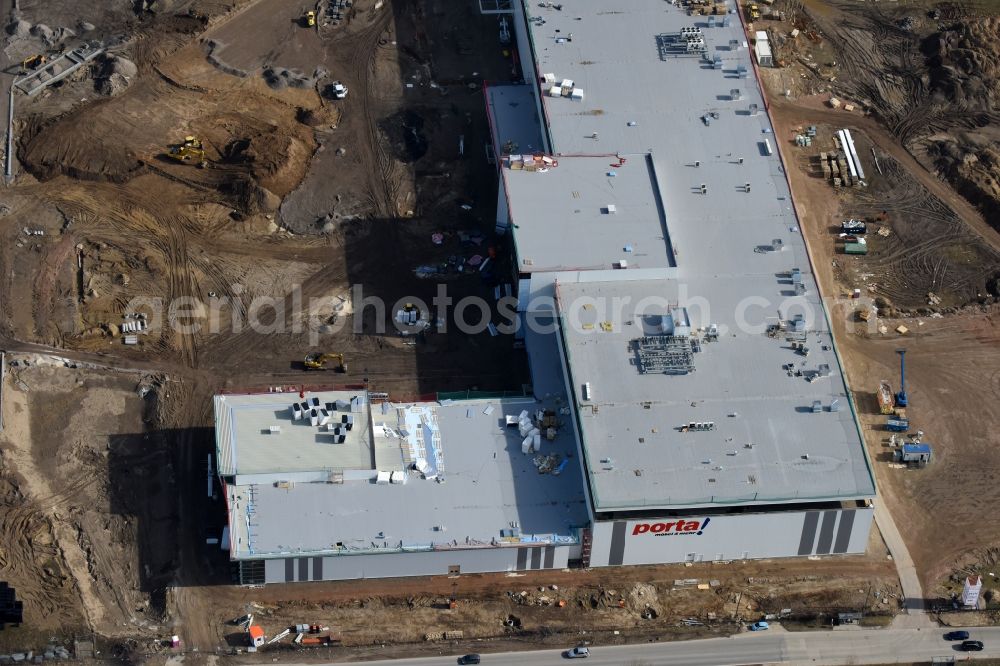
(304, 195)
(103, 505)
(953, 359)
(108, 537)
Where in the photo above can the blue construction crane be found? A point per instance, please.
(901, 396)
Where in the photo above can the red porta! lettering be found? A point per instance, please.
(673, 526)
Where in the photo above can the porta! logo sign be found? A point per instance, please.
(672, 528)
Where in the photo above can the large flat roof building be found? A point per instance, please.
(678, 343)
(439, 483)
(668, 423)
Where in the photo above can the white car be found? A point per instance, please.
(577, 653)
(338, 89)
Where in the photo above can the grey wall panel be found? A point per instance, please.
(825, 542)
(861, 530)
(844, 531)
(391, 565)
(752, 535)
(808, 540)
(303, 568)
(522, 559)
(317, 568)
(279, 571)
(617, 553)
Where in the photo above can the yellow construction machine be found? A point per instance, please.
(753, 11)
(310, 19)
(191, 149)
(319, 361)
(32, 62)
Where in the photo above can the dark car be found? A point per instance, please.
(956, 636)
(971, 646)
(469, 659)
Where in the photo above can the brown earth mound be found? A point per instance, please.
(964, 64)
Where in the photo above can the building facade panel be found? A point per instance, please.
(731, 537)
(431, 563)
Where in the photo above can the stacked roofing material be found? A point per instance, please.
(853, 161)
(539, 163)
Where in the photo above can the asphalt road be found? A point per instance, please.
(877, 646)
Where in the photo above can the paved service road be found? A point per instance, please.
(876, 646)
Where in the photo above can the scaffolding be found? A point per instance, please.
(664, 354)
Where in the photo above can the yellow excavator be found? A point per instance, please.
(33, 62)
(310, 19)
(191, 149)
(319, 362)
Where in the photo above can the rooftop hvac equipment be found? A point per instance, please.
(734, 45)
(796, 275)
(681, 322)
(817, 407)
(663, 354)
(382, 478)
(586, 392)
(576, 93)
(314, 402)
(397, 477)
(735, 94)
(296, 412)
(835, 405)
(777, 244)
(274, 430)
(610, 209)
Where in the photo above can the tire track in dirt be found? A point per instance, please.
(34, 516)
(381, 189)
(229, 350)
(793, 113)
